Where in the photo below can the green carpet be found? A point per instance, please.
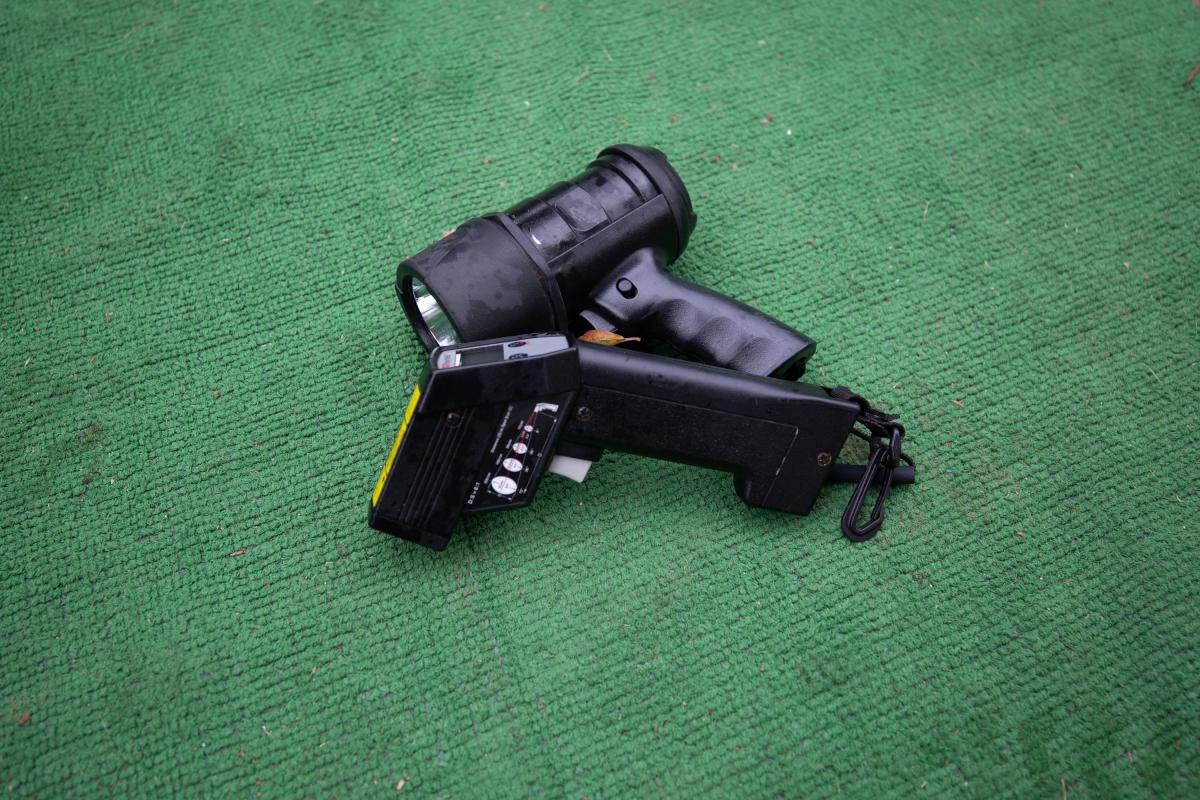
(987, 214)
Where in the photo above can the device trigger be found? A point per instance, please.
(596, 320)
(570, 467)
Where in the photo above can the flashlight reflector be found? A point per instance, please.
(436, 320)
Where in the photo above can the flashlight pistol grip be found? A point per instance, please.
(640, 298)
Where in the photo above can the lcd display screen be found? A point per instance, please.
(479, 355)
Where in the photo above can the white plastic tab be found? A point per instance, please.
(574, 468)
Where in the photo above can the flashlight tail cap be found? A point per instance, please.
(653, 162)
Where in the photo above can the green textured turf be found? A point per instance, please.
(986, 213)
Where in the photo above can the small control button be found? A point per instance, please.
(520, 448)
(518, 343)
(502, 484)
(511, 464)
(626, 288)
(517, 355)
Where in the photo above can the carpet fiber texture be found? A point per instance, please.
(986, 213)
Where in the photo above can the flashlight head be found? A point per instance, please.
(477, 282)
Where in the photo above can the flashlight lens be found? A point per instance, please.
(439, 325)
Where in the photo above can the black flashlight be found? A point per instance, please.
(587, 254)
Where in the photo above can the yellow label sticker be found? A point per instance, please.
(387, 468)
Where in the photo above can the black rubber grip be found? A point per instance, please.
(642, 299)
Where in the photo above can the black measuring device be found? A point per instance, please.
(489, 418)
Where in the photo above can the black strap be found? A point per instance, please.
(884, 436)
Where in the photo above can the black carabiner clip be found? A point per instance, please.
(883, 457)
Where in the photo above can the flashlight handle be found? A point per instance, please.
(641, 298)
